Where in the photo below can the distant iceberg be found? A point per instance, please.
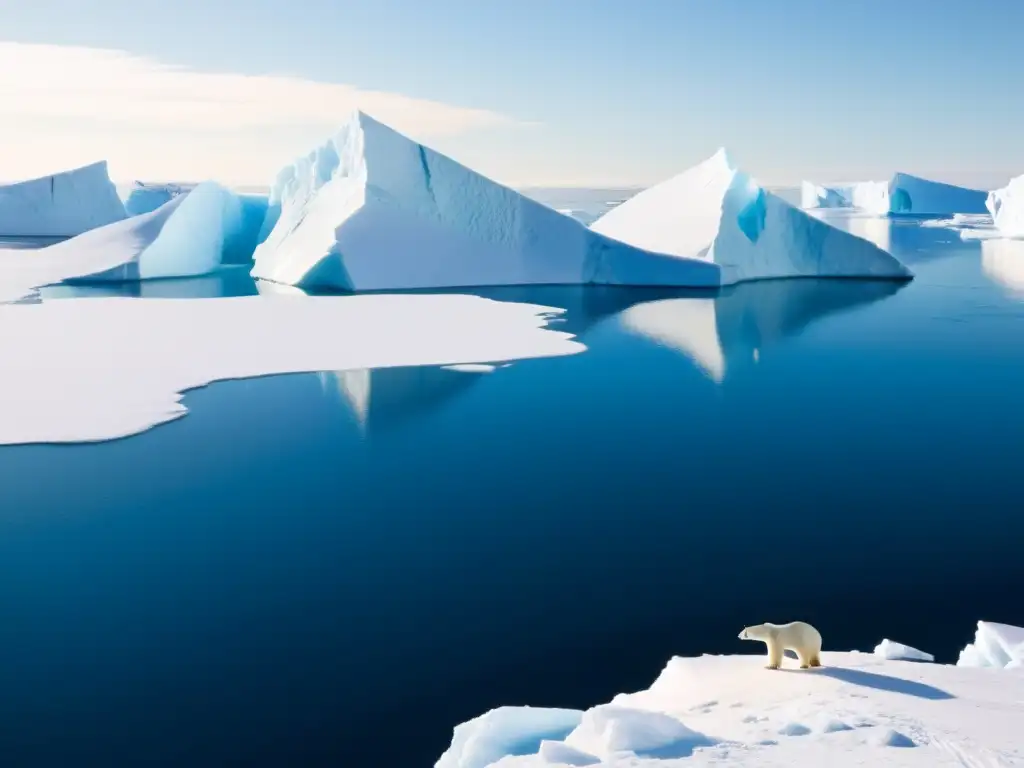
(904, 194)
(373, 210)
(191, 235)
(716, 213)
(144, 197)
(995, 645)
(1007, 208)
(62, 205)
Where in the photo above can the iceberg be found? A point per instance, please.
(62, 205)
(92, 369)
(1003, 261)
(1007, 208)
(903, 194)
(995, 645)
(144, 197)
(888, 649)
(716, 213)
(193, 234)
(506, 731)
(373, 210)
(851, 713)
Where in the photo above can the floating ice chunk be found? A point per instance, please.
(903, 194)
(1007, 208)
(719, 214)
(611, 729)
(190, 235)
(96, 369)
(63, 205)
(995, 645)
(888, 649)
(506, 731)
(372, 209)
(865, 196)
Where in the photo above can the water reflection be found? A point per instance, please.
(227, 281)
(1003, 262)
(722, 332)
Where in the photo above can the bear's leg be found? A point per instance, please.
(816, 659)
(774, 654)
(805, 661)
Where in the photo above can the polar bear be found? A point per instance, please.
(796, 636)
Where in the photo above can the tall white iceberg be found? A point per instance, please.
(62, 205)
(716, 213)
(1007, 208)
(995, 645)
(903, 194)
(371, 209)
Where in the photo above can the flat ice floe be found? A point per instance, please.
(728, 711)
(97, 369)
(373, 210)
(62, 205)
(903, 194)
(716, 213)
(191, 235)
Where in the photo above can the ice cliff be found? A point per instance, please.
(371, 209)
(716, 213)
(995, 645)
(904, 194)
(62, 205)
(1007, 208)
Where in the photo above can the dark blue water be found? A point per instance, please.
(298, 573)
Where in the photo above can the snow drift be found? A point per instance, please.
(191, 235)
(716, 213)
(904, 194)
(62, 205)
(890, 649)
(1007, 208)
(372, 209)
(995, 645)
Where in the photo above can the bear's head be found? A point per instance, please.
(757, 632)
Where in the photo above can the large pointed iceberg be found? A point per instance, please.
(1007, 208)
(193, 234)
(903, 194)
(62, 205)
(716, 213)
(372, 209)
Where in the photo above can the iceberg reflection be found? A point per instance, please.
(737, 324)
(1003, 262)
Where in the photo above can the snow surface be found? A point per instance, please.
(995, 645)
(373, 210)
(903, 194)
(193, 234)
(97, 369)
(732, 329)
(1007, 208)
(889, 649)
(507, 731)
(62, 205)
(857, 710)
(716, 213)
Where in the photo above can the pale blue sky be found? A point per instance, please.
(568, 91)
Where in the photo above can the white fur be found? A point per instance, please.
(797, 636)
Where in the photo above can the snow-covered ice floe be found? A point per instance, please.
(889, 649)
(718, 214)
(507, 731)
(193, 234)
(373, 210)
(1007, 208)
(62, 205)
(995, 645)
(904, 194)
(728, 711)
(95, 369)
